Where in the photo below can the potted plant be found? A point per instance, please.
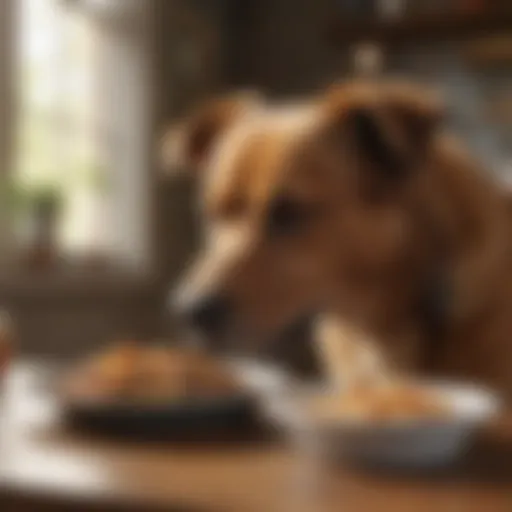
(36, 211)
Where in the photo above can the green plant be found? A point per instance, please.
(47, 201)
(22, 200)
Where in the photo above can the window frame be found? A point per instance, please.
(8, 100)
(137, 274)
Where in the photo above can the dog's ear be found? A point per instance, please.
(388, 127)
(188, 143)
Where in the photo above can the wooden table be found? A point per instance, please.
(44, 467)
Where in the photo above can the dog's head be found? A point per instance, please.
(302, 204)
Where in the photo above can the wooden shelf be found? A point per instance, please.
(419, 29)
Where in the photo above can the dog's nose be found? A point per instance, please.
(208, 314)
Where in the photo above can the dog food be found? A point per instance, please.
(366, 387)
(380, 404)
(129, 371)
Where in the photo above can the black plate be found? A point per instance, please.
(198, 419)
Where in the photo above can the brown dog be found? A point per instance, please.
(356, 204)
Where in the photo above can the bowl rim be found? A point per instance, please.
(487, 406)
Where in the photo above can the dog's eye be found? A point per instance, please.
(286, 216)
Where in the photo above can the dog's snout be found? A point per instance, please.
(207, 314)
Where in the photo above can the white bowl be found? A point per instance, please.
(395, 444)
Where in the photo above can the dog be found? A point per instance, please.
(357, 204)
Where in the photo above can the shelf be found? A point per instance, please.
(418, 30)
(74, 286)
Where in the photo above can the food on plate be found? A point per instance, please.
(401, 401)
(131, 371)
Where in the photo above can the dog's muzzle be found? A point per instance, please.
(206, 314)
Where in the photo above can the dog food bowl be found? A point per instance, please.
(392, 444)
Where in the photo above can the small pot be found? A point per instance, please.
(42, 250)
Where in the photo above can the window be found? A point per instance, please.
(82, 122)
(58, 131)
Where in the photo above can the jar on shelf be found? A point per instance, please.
(368, 60)
(391, 10)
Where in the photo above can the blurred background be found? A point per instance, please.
(93, 233)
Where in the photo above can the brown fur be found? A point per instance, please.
(369, 241)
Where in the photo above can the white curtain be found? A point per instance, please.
(124, 121)
(120, 14)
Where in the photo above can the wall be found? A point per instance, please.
(283, 49)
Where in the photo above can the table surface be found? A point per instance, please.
(44, 463)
